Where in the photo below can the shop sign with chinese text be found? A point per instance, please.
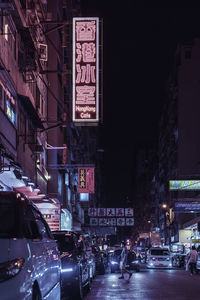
(51, 213)
(86, 180)
(86, 70)
(175, 185)
(110, 212)
(187, 207)
(111, 221)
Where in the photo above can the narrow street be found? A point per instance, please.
(147, 285)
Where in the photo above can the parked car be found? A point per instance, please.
(85, 243)
(30, 263)
(159, 258)
(133, 262)
(101, 260)
(91, 261)
(198, 263)
(75, 273)
(115, 260)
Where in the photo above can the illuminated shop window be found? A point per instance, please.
(84, 197)
(10, 35)
(6, 31)
(11, 109)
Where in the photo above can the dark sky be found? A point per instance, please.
(139, 44)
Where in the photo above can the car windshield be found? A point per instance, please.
(159, 252)
(65, 243)
(117, 252)
(9, 216)
(131, 256)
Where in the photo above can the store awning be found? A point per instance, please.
(8, 180)
(31, 193)
(30, 110)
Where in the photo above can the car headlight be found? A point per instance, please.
(168, 258)
(10, 269)
(114, 262)
(153, 258)
(135, 262)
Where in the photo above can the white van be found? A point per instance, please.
(29, 259)
(159, 258)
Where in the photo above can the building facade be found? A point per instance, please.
(41, 148)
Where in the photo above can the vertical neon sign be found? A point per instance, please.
(86, 180)
(86, 70)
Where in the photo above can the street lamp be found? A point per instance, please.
(164, 205)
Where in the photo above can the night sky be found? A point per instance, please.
(139, 44)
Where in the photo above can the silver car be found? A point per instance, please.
(29, 259)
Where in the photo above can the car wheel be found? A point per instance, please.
(137, 270)
(77, 292)
(88, 286)
(36, 293)
(111, 270)
(101, 269)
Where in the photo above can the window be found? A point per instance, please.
(9, 210)
(160, 252)
(10, 35)
(11, 108)
(8, 104)
(84, 197)
(42, 225)
(22, 123)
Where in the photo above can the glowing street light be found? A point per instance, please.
(164, 205)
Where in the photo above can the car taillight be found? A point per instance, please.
(10, 269)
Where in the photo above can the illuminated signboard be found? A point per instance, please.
(85, 70)
(102, 216)
(175, 185)
(86, 180)
(84, 197)
(66, 220)
(112, 222)
(187, 207)
(110, 212)
(51, 213)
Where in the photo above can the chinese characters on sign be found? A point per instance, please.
(86, 180)
(85, 70)
(175, 185)
(111, 221)
(111, 216)
(110, 212)
(92, 212)
(129, 212)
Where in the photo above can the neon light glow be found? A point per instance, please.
(86, 180)
(184, 184)
(85, 70)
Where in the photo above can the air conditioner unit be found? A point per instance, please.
(43, 52)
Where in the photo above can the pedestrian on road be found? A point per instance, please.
(192, 260)
(123, 262)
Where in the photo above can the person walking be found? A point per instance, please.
(123, 262)
(192, 260)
